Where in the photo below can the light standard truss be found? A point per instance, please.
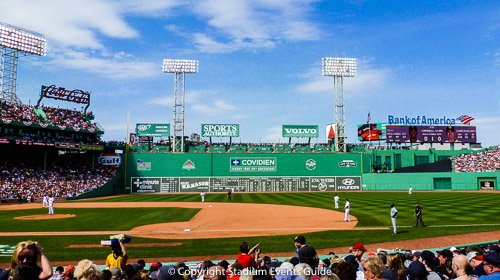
(180, 67)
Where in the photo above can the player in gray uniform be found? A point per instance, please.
(394, 215)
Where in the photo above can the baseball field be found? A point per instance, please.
(179, 227)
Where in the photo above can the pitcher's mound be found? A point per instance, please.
(45, 217)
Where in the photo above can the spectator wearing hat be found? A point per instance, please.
(68, 272)
(428, 259)
(459, 266)
(476, 262)
(358, 249)
(417, 271)
(444, 268)
(491, 265)
(305, 253)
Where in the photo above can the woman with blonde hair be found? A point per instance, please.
(373, 268)
(87, 270)
(26, 255)
(396, 269)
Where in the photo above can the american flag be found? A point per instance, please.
(368, 119)
(465, 119)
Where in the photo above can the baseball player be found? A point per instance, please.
(410, 190)
(336, 199)
(51, 204)
(202, 194)
(394, 215)
(45, 201)
(347, 208)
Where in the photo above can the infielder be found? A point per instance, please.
(347, 208)
(336, 199)
(202, 194)
(51, 205)
(394, 215)
(45, 201)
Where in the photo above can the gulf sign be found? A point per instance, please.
(110, 159)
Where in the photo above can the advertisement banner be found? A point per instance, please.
(253, 164)
(300, 131)
(348, 183)
(371, 131)
(146, 185)
(430, 134)
(152, 129)
(331, 131)
(487, 184)
(220, 130)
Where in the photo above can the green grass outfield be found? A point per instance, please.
(445, 213)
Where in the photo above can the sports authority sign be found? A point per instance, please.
(300, 131)
(152, 129)
(253, 164)
(220, 130)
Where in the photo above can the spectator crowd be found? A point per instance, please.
(55, 116)
(485, 161)
(473, 262)
(20, 180)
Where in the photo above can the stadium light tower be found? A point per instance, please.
(13, 40)
(339, 68)
(180, 67)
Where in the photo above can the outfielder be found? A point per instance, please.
(202, 194)
(394, 215)
(51, 205)
(347, 208)
(336, 201)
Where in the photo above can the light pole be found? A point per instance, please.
(13, 40)
(339, 68)
(179, 67)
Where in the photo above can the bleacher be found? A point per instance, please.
(282, 149)
(217, 149)
(322, 148)
(260, 148)
(238, 149)
(302, 149)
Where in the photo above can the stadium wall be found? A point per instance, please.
(430, 181)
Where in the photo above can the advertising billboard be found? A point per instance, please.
(300, 130)
(152, 129)
(430, 134)
(371, 131)
(220, 130)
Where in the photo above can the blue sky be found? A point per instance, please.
(260, 61)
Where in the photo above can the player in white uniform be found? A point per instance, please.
(202, 194)
(347, 208)
(410, 190)
(394, 215)
(51, 205)
(336, 199)
(45, 201)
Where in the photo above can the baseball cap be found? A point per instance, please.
(453, 249)
(359, 246)
(417, 254)
(471, 255)
(492, 257)
(154, 266)
(417, 270)
(300, 239)
(351, 259)
(445, 253)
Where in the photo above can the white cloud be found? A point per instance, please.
(68, 23)
(216, 107)
(252, 24)
(367, 78)
(114, 66)
(487, 130)
(274, 135)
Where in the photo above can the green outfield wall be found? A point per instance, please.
(170, 173)
(274, 172)
(431, 181)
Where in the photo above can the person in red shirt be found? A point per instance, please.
(248, 257)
